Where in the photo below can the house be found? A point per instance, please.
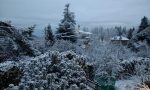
(119, 40)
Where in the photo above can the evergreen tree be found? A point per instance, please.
(119, 31)
(130, 33)
(28, 33)
(49, 37)
(31, 30)
(144, 24)
(124, 31)
(66, 30)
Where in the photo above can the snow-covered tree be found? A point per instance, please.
(144, 24)
(28, 33)
(49, 37)
(99, 32)
(86, 29)
(119, 31)
(62, 46)
(20, 44)
(66, 30)
(130, 33)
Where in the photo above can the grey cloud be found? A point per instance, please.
(90, 11)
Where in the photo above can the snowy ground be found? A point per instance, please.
(127, 84)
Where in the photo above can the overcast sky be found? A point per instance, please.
(88, 12)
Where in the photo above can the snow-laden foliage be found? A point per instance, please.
(144, 24)
(105, 56)
(53, 71)
(140, 41)
(62, 46)
(67, 70)
(66, 29)
(19, 42)
(28, 32)
(7, 65)
(138, 66)
(103, 34)
(9, 74)
(39, 44)
(130, 33)
(49, 37)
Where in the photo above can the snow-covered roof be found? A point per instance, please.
(119, 38)
(83, 32)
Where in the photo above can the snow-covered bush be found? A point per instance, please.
(139, 39)
(109, 62)
(107, 57)
(9, 74)
(62, 46)
(53, 70)
(39, 44)
(138, 66)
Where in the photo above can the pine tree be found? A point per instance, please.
(28, 33)
(49, 37)
(31, 30)
(144, 24)
(66, 30)
(119, 31)
(130, 33)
